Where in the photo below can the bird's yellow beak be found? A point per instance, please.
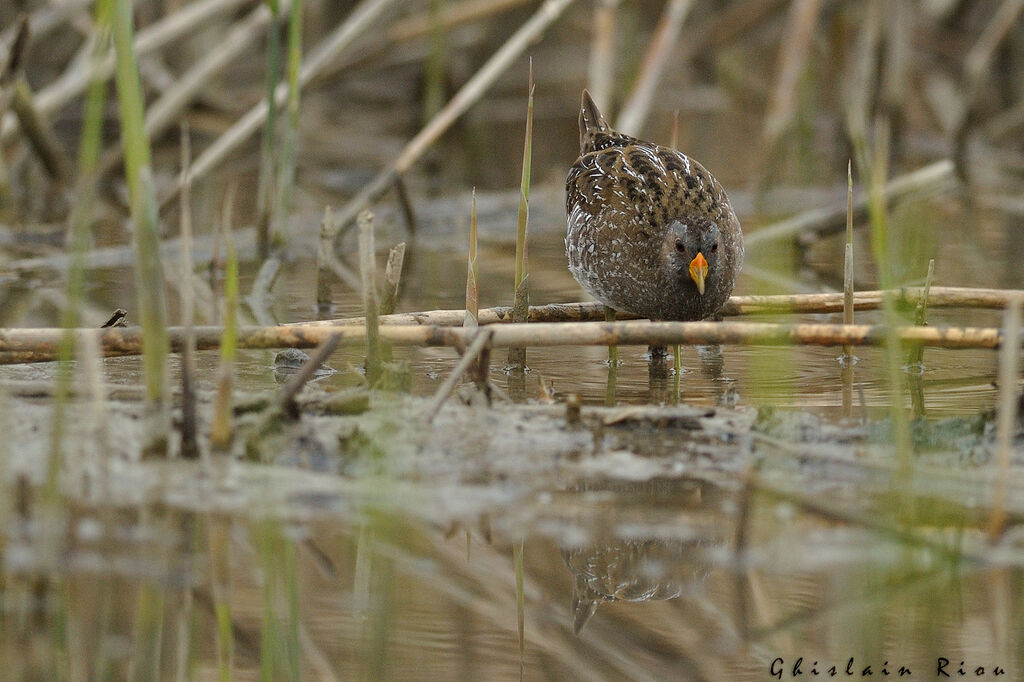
(698, 271)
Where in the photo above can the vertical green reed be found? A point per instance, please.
(221, 429)
(81, 218)
(279, 646)
(521, 296)
(884, 259)
(149, 277)
(265, 189)
(472, 273)
(148, 632)
(434, 76)
(289, 137)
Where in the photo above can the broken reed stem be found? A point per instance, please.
(368, 271)
(37, 345)
(916, 357)
(405, 204)
(481, 340)
(472, 288)
(392, 279)
(1009, 356)
(848, 260)
(189, 442)
(40, 135)
(521, 290)
(323, 252)
(638, 104)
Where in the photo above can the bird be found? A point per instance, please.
(649, 230)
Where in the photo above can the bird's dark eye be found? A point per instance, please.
(714, 247)
(679, 246)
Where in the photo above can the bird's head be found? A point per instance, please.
(691, 249)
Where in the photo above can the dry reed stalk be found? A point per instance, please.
(368, 272)
(189, 443)
(481, 340)
(848, 259)
(474, 88)
(161, 33)
(1006, 417)
(794, 46)
(405, 204)
(978, 61)
(472, 274)
(40, 345)
(450, 16)
(258, 298)
(392, 279)
(324, 249)
(205, 248)
(812, 224)
(638, 104)
(938, 297)
(358, 21)
(166, 109)
(861, 75)
(601, 68)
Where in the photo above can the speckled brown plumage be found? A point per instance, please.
(638, 216)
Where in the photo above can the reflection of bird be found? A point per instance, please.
(650, 231)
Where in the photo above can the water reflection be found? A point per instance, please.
(622, 565)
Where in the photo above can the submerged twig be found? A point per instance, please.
(481, 339)
(286, 396)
